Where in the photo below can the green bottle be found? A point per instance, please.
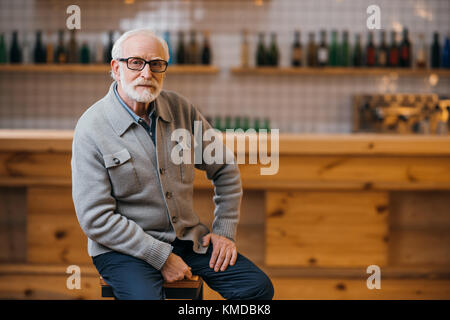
(334, 49)
(2, 49)
(246, 124)
(228, 124)
(257, 125)
(266, 124)
(218, 123)
(344, 56)
(274, 55)
(84, 53)
(261, 55)
(237, 123)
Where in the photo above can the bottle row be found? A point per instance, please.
(71, 51)
(339, 52)
(223, 123)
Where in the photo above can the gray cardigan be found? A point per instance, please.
(129, 196)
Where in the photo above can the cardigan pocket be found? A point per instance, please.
(122, 173)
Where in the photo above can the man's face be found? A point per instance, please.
(142, 86)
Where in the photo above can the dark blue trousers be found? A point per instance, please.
(135, 279)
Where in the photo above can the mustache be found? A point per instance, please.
(144, 82)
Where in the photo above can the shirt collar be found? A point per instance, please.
(131, 112)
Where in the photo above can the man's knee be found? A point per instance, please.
(261, 288)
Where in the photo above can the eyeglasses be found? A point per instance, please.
(138, 64)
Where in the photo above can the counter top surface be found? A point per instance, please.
(289, 144)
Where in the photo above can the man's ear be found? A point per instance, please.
(115, 68)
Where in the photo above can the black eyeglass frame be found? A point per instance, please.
(145, 63)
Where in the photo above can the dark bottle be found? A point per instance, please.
(261, 56)
(193, 52)
(3, 55)
(421, 56)
(72, 51)
(322, 52)
(246, 123)
(357, 52)
(297, 52)
(405, 51)
(312, 51)
(108, 48)
(228, 123)
(446, 53)
(274, 55)
(39, 54)
(344, 56)
(181, 52)
(169, 46)
(435, 52)
(370, 51)
(206, 51)
(60, 52)
(383, 51)
(85, 53)
(15, 53)
(393, 51)
(334, 51)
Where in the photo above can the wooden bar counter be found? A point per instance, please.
(338, 204)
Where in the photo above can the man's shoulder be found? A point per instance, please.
(91, 117)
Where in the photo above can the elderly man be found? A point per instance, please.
(135, 204)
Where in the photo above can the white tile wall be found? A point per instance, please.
(293, 103)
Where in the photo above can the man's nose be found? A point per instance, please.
(146, 72)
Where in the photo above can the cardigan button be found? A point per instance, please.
(116, 161)
(168, 194)
(162, 170)
(174, 219)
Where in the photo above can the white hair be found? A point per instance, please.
(117, 48)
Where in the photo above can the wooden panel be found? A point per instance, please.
(35, 165)
(351, 289)
(54, 234)
(420, 228)
(326, 229)
(12, 225)
(46, 282)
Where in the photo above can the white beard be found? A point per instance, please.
(145, 97)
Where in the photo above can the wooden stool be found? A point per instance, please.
(182, 289)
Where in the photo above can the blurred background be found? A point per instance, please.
(363, 116)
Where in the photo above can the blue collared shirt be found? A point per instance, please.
(152, 128)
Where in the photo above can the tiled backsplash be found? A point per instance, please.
(294, 103)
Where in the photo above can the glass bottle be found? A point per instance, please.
(15, 53)
(370, 51)
(274, 55)
(344, 56)
(357, 52)
(193, 52)
(108, 48)
(421, 58)
(60, 52)
(169, 46)
(435, 51)
(245, 50)
(322, 52)
(181, 52)
(261, 51)
(3, 55)
(206, 51)
(39, 54)
(85, 53)
(297, 51)
(383, 51)
(72, 51)
(334, 49)
(405, 50)
(393, 51)
(446, 53)
(312, 50)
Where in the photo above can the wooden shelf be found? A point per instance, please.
(99, 68)
(339, 71)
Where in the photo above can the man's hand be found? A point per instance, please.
(175, 269)
(224, 251)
